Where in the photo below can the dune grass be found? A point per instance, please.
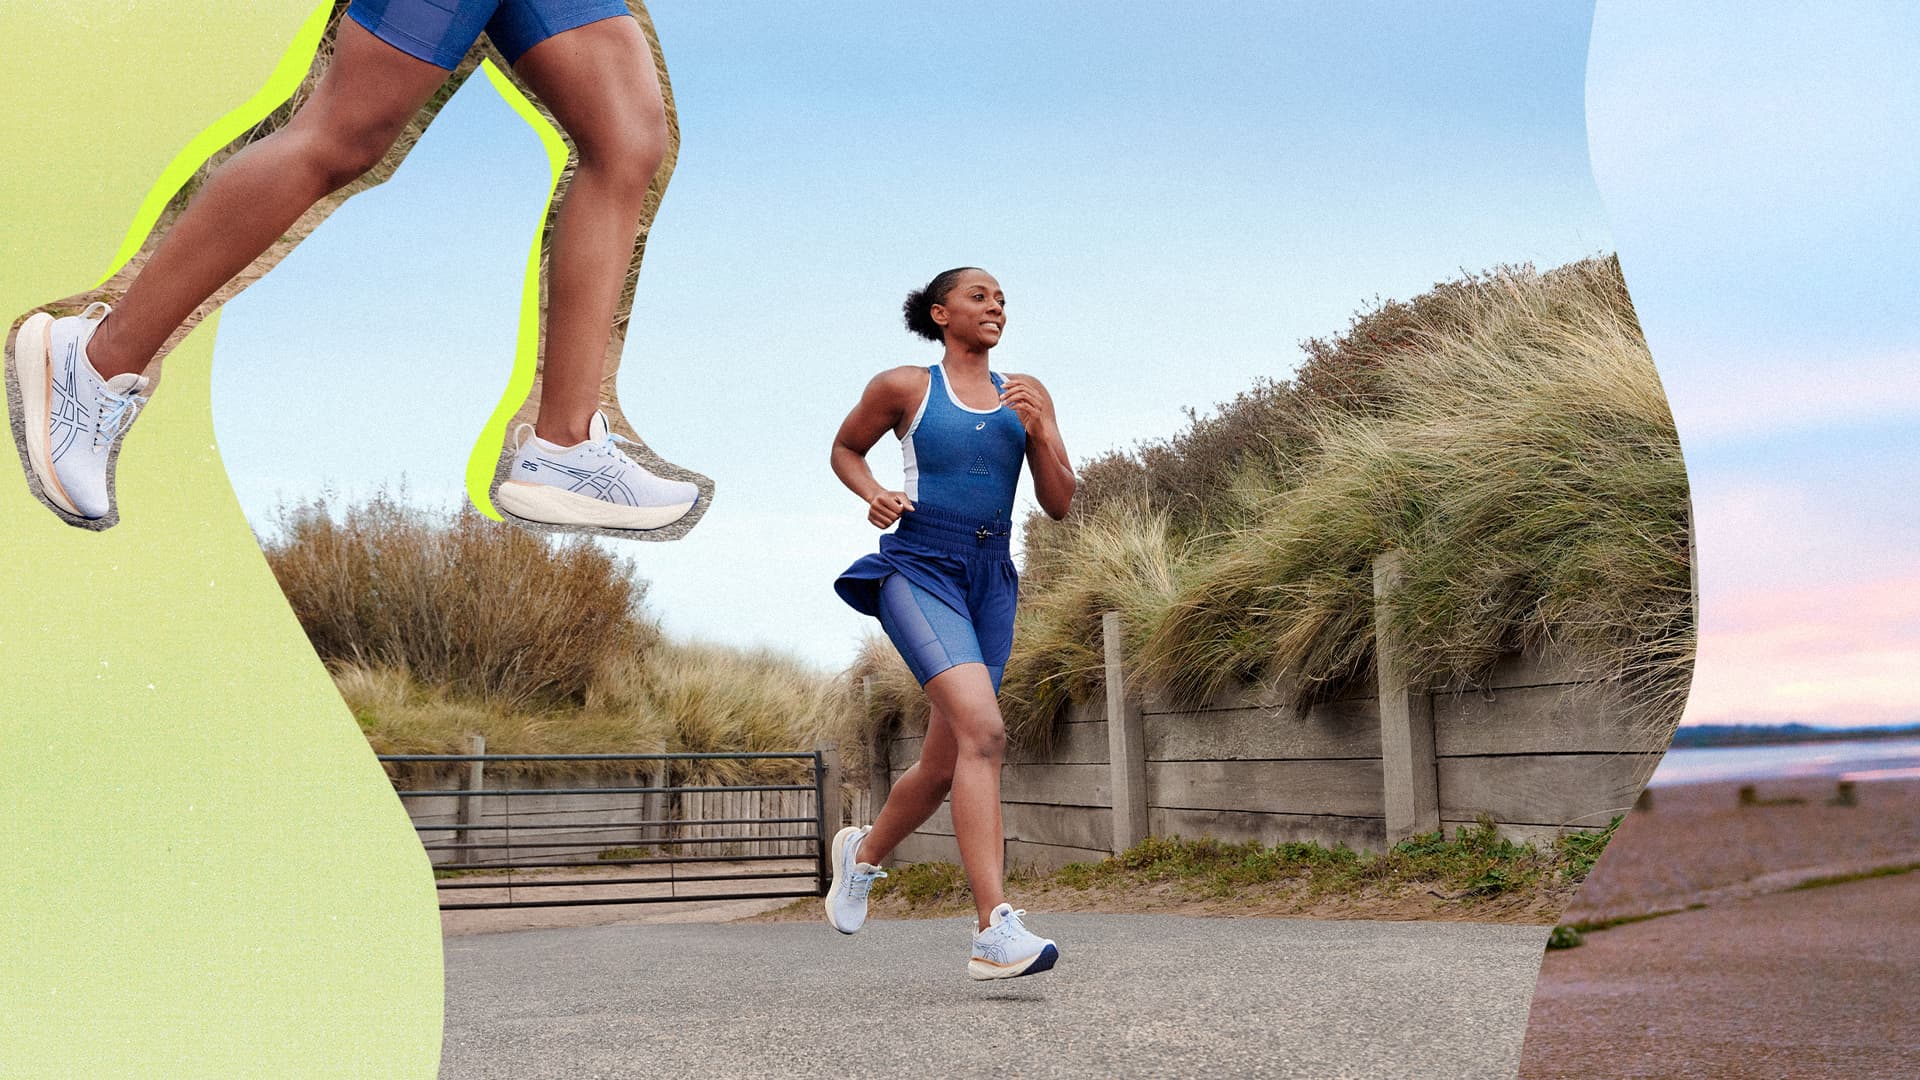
(441, 626)
(1505, 432)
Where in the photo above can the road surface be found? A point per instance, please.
(1133, 995)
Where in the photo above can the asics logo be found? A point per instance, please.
(981, 426)
(529, 466)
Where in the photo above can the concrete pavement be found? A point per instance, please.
(1134, 995)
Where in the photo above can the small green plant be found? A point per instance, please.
(923, 883)
(622, 853)
(1475, 864)
(1565, 937)
(1580, 850)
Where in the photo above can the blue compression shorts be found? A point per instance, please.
(441, 31)
(944, 590)
(931, 636)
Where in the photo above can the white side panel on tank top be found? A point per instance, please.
(910, 463)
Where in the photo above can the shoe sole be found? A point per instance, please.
(549, 505)
(33, 370)
(838, 853)
(1032, 965)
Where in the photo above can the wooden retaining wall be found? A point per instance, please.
(1536, 748)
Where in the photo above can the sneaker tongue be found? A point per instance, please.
(597, 428)
(127, 383)
(999, 913)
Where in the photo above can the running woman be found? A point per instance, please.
(588, 60)
(943, 587)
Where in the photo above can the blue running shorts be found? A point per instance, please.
(931, 636)
(441, 31)
(944, 589)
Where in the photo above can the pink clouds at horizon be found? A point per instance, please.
(1809, 606)
(1845, 655)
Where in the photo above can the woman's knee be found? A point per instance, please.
(982, 734)
(342, 156)
(626, 153)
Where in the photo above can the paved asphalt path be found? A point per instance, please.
(1133, 995)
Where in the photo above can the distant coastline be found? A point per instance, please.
(1704, 735)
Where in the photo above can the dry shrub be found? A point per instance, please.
(462, 604)
(439, 627)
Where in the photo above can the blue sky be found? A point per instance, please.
(1172, 203)
(1758, 169)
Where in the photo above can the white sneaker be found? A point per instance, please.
(73, 416)
(852, 880)
(1006, 949)
(591, 483)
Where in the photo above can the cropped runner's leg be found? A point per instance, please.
(369, 92)
(598, 80)
(932, 638)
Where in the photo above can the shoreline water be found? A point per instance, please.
(1779, 761)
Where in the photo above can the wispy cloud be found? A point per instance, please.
(1791, 395)
(1843, 655)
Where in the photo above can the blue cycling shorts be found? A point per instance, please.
(944, 589)
(441, 31)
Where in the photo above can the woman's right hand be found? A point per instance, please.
(885, 508)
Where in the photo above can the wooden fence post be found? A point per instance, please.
(1408, 771)
(469, 805)
(1126, 745)
(833, 810)
(879, 755)
(654, 804)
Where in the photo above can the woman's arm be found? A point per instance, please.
(883, 405)
(1046, 454)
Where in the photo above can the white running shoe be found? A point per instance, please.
(73, 416)
(591, 483)
(852, 880)
(1006, 949)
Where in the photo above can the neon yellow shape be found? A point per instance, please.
(278, 88)
(526, 356)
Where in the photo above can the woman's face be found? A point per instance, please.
(974, 313)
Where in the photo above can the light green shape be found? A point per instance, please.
(486, 452)
(207, 874)
(278, 88)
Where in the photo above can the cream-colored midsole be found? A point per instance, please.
(987, 969)
(550, 505)
(31, 366)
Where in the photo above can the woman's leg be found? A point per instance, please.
(963, 695)
(598, 80)
(362, 103)
(915, 796)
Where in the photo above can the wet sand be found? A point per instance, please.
(1699, 845)
(1760, 979)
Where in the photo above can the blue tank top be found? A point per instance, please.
(963, 460)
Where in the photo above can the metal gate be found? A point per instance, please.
(520, 844)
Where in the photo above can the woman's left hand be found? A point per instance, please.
(1030, 401)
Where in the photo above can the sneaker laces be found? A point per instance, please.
(108, 424)
(1009, 924)
(610, 447)
(860, 882)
